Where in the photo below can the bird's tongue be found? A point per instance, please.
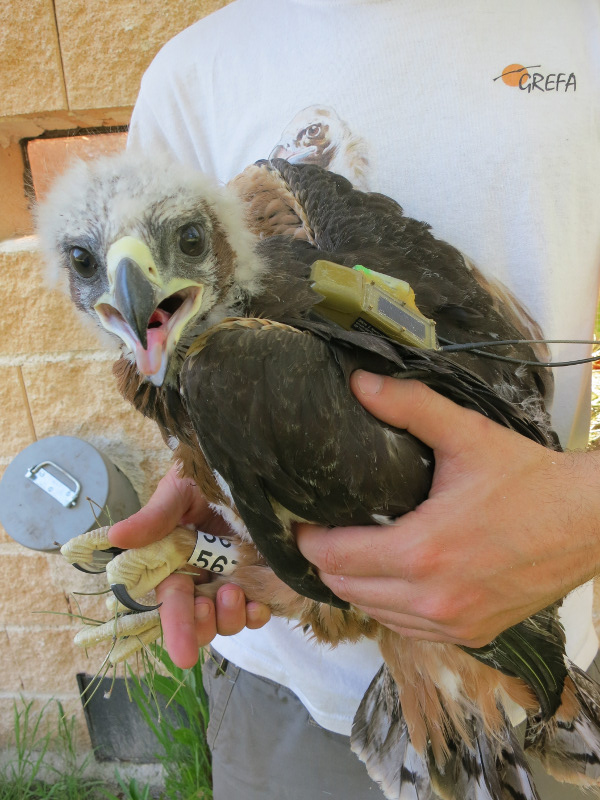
(149, 360)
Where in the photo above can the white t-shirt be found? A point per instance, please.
(482, 119)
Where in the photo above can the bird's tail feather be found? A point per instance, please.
(568, 744)
(486, 768)
(489, 767)
(380, 739)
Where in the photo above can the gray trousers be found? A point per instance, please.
(265, 745)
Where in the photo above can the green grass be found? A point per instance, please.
(33, 774)
(181, 731)
(46, 765)
(129, 791)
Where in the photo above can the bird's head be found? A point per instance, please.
(153, 251)
(312, 137)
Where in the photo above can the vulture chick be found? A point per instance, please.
(209, 290)
(318, 135)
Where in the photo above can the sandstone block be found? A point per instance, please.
(28, 126)
(28, 596)
(17, 432)
(79, 398)
(105, 69)
(4, 537)
(10, 677)
(42, 661)
(30, 66)
(34, 318)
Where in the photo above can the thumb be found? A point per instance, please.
(413, 406)
(157, 518)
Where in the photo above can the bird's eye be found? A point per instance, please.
(313, 131)
(191, 239)
(83, 262)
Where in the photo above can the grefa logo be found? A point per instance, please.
(528, 80)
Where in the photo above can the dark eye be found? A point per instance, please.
(191, 239)
(313, 131)
(83, 262)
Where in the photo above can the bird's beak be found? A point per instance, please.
(291, 153)
(135, 297)
(147, 314)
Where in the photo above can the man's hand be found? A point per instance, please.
(188, 622)
(509, 526)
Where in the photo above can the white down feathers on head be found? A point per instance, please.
(97, 199)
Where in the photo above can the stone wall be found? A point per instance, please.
(63, 65)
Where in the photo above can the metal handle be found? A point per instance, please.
(52, 485)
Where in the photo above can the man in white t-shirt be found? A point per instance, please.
(484, 121)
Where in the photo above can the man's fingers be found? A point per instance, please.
(158, 517)
(257, 615)
(234, 613)
(205, 622)
(409, 404)
(429, 636)
(385, 594)
(375, 551)
(192, 622)
(231, 610)
(184, 623)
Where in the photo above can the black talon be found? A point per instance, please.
(120, 592)
(100, 558)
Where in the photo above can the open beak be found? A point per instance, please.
(146, 314)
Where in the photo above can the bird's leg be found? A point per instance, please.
(91, 551)
(140, 570)
(137, 571)
(259, 583)
(128, 633)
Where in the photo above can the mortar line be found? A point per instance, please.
(60, 55)
(27, 359)
(26, 403)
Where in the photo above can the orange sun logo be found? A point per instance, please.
(515, 75)
(512, 74)
(518, 76)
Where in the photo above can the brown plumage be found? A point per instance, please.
(249, 386)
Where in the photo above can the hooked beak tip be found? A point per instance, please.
(135, 298)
